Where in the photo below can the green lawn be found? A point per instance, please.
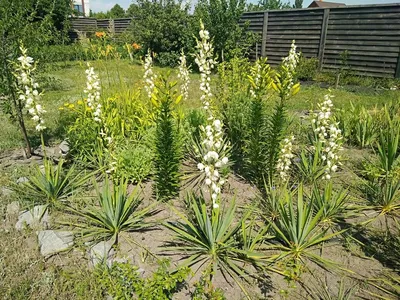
(64, 83)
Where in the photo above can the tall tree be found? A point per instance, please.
(117, 12)
(298, 4)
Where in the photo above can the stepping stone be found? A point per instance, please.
(101, 252)
(38, 216)
(52, 242)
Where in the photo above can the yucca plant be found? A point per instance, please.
(116, 211)
(334, 205)
(388, 145)
(322, 290)
(389, 284)
(309, 166)
(53, 185)
(168, 152)
(298, 232)
(208, 240)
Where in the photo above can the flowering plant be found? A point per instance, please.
(149, 77)
(27, 88)
(183, 75)
(327, 135)
(212, 144)
(285, 158)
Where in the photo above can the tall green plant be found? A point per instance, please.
(168, 150)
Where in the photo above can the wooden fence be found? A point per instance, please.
(369, 34)
(85, 25)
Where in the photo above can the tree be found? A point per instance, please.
(268, 5)
(117, 12)
(163, 26)
(35, 23)
(298, 4)
(221, 18)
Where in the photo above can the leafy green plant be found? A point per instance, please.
(123, 281)
(322, 290)
(134, 161)
(53, 185)
(116, 212)
(309, 165)
(334, 205)
(307, 68)
(204, 289)
(209, 239)
(297, 234)
(168, 153)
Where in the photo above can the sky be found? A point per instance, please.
(104, 5)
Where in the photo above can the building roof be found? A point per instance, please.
(325, 4)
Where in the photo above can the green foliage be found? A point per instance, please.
(209, 239)
(204, 290)
(163, 27)
(123, 281)
(168, 150)
(359, 126)
(307, 68)
(268, 5)
(116, 211)
(298, 233)
(298, 4)
(309, 166)
(134, 161)
(116, 12)
(53, 185)
(221, 17)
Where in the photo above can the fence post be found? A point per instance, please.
(322, 40)
(264, 35)
(397, 74)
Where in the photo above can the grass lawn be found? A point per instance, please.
(65, 83)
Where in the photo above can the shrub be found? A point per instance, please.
(307, 68)
(123, 281)
(163, 27)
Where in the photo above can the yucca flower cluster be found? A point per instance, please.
(290, 63)
(28, 88)
(285, 158)
(92, 90)
(149, 76)
(205, 60)
(184, 76)
(213, 135)
(328, 135)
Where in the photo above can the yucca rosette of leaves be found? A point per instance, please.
(116, 211)
(298, 233)
(209, 238)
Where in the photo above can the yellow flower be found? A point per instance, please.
(71, 106)
(100, 34)
(80, 102)
(66, 104)
(61, 108)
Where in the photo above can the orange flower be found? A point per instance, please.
(100, 34)
(136, 46)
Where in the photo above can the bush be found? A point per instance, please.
(164, 27)
(307, 68)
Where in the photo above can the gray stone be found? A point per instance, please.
(22, 180)
(34, 218)
(101, 252)
(5, 191)
(52, 242)
(13, 209)
(64, 147)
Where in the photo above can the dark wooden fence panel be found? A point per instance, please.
(370, 35)
(86, 25)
